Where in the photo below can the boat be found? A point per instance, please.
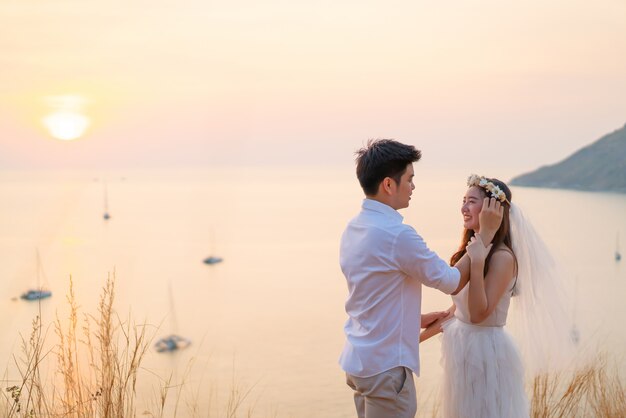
(212, 259)
(33, 294)
(172, 342)
(39, 292)
(574, 333)
(106, 215)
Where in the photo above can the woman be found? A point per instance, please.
(483, 373)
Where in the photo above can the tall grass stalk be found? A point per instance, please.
(99, 358)
(596, 390)
(98, 363)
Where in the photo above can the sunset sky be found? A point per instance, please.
(484, 83)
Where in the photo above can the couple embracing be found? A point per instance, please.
(386, 262)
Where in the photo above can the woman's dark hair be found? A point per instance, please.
(383, 158)
(503, 234)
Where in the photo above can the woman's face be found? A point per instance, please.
(472, 205)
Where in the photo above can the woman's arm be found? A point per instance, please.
(485, 292)
(435, 328)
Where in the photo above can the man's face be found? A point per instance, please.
(404, 189)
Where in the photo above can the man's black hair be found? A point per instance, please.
(383, 158)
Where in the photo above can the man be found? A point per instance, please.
(385, 263)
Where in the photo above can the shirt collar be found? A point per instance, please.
(376, 206)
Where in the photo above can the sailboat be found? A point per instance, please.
(39, 292)
(618, 255)
(574, 333)
(212, 259)
(106, 215)
(172, 342)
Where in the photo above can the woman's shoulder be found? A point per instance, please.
(503, 248)
(503, 256)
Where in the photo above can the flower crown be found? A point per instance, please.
(495, 191)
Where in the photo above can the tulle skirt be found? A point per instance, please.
(483, 373)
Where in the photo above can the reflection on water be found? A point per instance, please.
(272, 311)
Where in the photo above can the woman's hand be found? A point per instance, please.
(429, 318)
(436, 327)
(476, 249)
(490, 217)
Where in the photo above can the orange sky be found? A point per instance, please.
(241, 82)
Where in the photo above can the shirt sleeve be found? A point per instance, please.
(416, 260)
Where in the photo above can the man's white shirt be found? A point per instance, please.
(385, 263)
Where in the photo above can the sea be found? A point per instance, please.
(266, 323)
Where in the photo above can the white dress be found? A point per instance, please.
(483, 372)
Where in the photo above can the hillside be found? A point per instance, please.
(600, 166)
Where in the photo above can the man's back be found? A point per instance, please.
(384, 262)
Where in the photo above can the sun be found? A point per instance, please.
(66, 125)
(67, 121)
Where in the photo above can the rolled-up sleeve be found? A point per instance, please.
(416, 260)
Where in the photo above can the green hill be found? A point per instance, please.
(600, 166)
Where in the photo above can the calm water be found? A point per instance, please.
(271, 315)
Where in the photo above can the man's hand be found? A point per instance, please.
(436, 327)
(429, 318)
(490, 218)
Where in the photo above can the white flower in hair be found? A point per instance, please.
(494, 190)
(473, 180)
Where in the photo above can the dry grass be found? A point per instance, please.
(98, 366)
(596, 390)
(97, 361)
(114, 353)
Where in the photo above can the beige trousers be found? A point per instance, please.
(390, 394)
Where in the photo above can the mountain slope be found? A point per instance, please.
(600, 166)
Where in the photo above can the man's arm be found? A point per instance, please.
(416, 260)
